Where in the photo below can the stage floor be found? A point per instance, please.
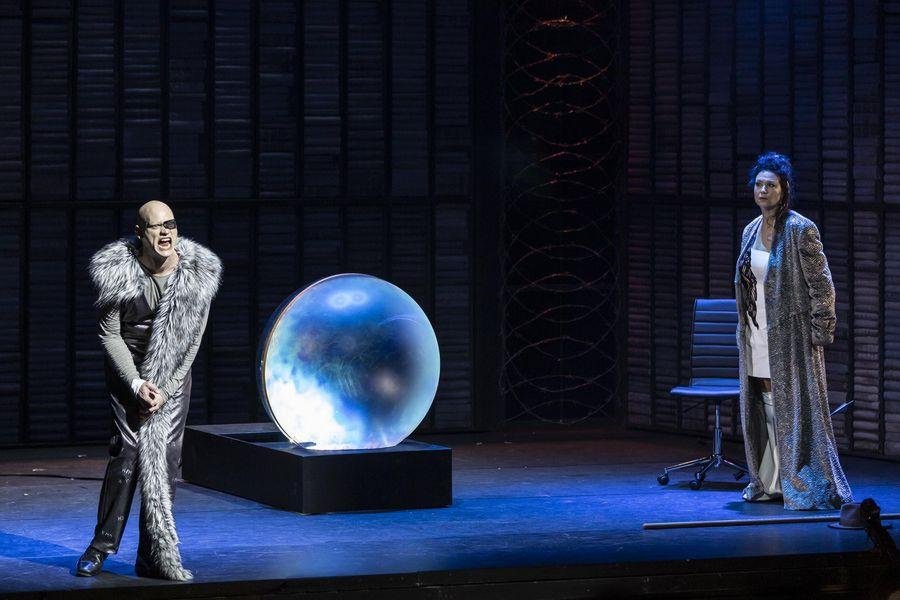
(530, 518)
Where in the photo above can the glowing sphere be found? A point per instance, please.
(349, 362)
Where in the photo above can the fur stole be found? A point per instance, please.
(118, 277)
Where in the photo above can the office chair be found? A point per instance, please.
(714, 378)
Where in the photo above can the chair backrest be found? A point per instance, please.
(714, 351)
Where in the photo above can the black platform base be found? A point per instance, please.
(253, 460)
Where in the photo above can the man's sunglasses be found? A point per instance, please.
(170, 224)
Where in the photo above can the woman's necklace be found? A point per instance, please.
(768, 232)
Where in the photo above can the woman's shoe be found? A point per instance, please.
(755, 493)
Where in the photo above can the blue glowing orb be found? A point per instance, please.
(349, 362)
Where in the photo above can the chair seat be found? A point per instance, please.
(707, 391)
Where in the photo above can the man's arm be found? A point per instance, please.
(110, 331)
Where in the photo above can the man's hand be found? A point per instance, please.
(150, 397)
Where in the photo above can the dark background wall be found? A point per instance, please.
(297, 139)
(303, 139)
(711, 85)
(563, 147)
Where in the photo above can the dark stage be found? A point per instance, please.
(535, 517)
(553, 185)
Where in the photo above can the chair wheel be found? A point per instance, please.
(663, 479)
(738, 475)
(696, 483)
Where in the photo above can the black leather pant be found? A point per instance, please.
(121, 476)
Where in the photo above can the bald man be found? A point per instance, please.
(153, 301)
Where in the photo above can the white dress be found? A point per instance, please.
(759, 337)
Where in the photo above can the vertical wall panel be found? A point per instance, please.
(277, 98)
(776, 75)
(665, 313)
(748, 81)
(866, 330)
(365, 99)
(50, 47)
(891, 101)
(278, 262)
(323, 242)
(410, 264)
(233, 385)
(693, 98)
(804, 125)
(322, 115)
(96, 115)
(11, 166)
(91, 419)
(640, 326)
(452, 317)
(891, 318)
(11, 380)
(142, 136)
(452, 130)
(866, 102)
(409, 78)
(724, 236)
(891, 191)
(640, 94)
(836, 125)
(366, 244)
(48, 317)
(721, 107)
(666, 101)
(188, 74)
(233, 149)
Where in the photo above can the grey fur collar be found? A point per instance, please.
(118, 277)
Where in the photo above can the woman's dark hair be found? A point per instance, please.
(781, 166)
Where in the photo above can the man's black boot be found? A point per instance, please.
(90, 563)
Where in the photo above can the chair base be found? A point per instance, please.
(716, 459)
(703, 465)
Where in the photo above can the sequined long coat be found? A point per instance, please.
(801, 320)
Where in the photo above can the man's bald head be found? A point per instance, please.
(154, 211)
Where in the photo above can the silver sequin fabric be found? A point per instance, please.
(801, 320)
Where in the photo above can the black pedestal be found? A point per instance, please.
(253, 460)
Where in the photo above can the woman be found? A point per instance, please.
(785, 301)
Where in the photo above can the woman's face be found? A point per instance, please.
(767, 190)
